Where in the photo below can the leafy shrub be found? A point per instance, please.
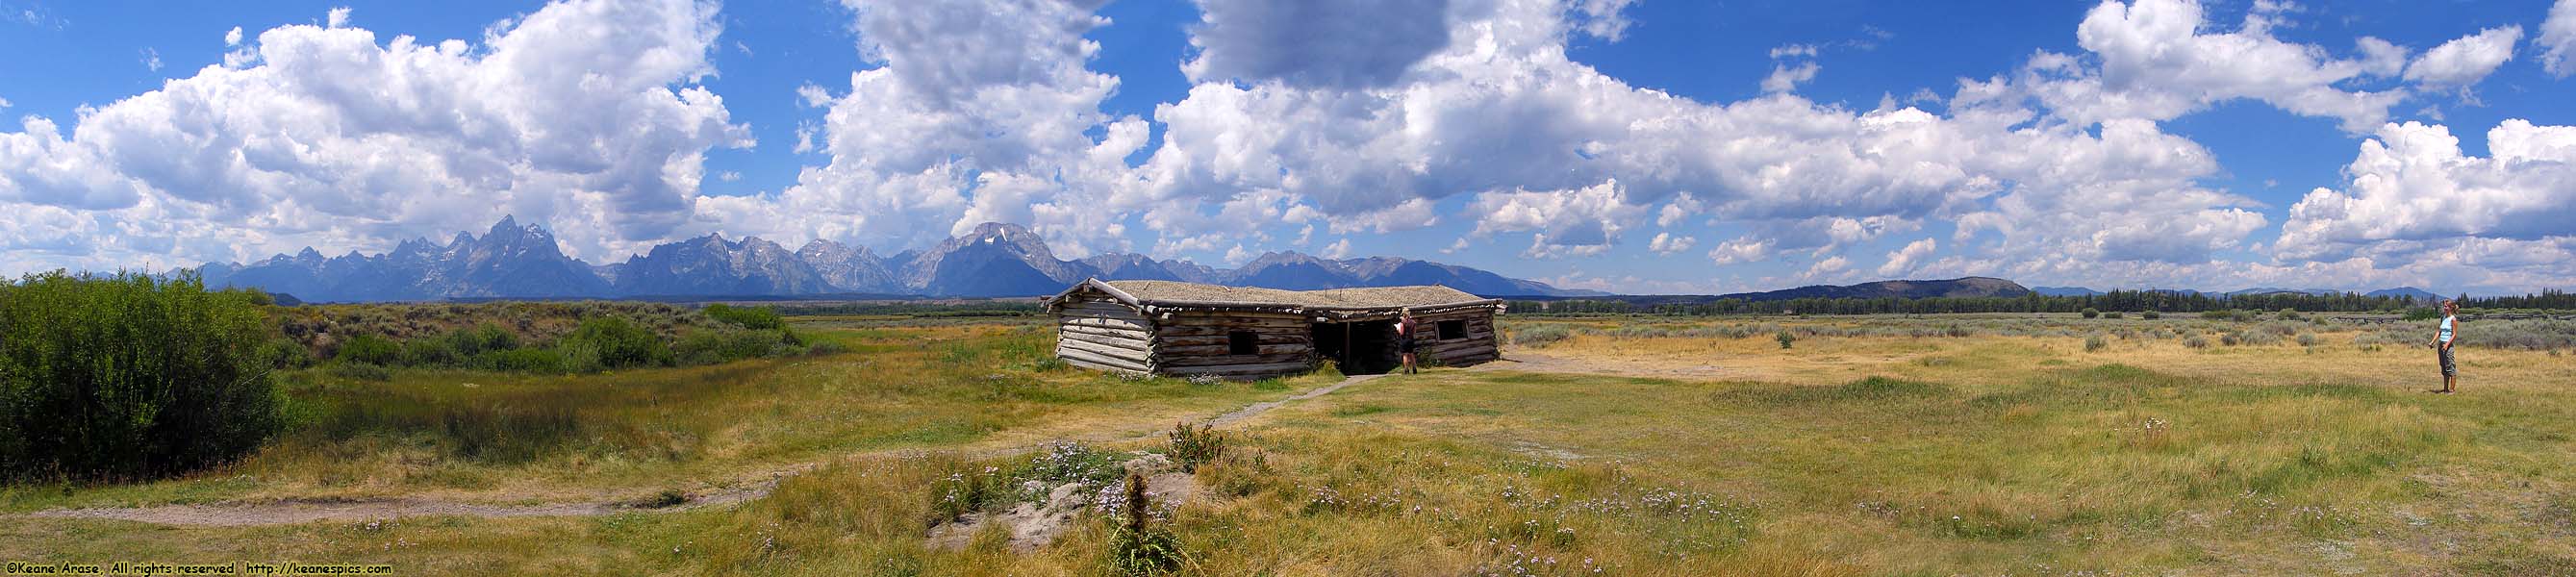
(1785, 338)
(2095, 343)
(126, 376)
(2151, 315)
(2291, 314)
(2089, 312)
(2196, 341)
(2113, 315)
(724, 346)
(2229, 339)
(759, 317)
(2307, 339)
(2422, 314)
(370, 349)
(612, 343)
(1193, 447)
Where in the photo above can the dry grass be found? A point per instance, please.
(1849, 455)
(516, 438)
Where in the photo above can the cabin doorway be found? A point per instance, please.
(1360, 348)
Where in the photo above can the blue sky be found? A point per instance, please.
(1626, 145)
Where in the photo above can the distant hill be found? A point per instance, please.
(2065, 291)
(993, 260)
(1975, 286)
(2407, 292)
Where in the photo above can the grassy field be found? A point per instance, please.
(1881, 445)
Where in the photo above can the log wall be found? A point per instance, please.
(1096, 332)
(1194, 343)
(1478, 345)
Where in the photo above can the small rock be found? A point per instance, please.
(1149, 464)
(1172, 489)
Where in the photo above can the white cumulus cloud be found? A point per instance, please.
(584, 114)
(2466, 60)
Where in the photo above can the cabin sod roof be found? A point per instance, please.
(1187, 295)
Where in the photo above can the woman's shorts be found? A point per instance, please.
(2449, 368)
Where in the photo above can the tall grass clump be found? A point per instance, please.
(125, 376)
(1137, 546)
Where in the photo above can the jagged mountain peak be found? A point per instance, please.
(992, 259)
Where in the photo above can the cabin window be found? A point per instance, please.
(1242, 343)
(1452, 330)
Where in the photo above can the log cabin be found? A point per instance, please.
(1188, 329)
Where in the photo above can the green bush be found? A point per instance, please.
(612, 343)
(2095, 343)
(2089, 312)
(2113, 315)
(759, 317)
(370, 349)
(724, 346)
(2422, 314)
(1193, 447)
(2151, 315)
(1785, 339)
(125, 376)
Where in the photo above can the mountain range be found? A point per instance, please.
(2410, 293)
(995, 260)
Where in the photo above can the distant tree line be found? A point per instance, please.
(2547, 299)
(2122, 301)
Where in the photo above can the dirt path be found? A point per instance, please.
(305, 511)
(1257, 409)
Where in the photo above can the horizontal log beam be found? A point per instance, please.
(1266, 338)
(1113, 309)
(1106, 332)
(1136, 346)
(1106, 323)
(1202, 361)
(1103, 367)
(1243, 370)
(1205, 330)
(1071, 354)
(1187, 316)
(1140, 358)
(1216, 350)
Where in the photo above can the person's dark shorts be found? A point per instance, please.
(1404, 344)
(2449, 368)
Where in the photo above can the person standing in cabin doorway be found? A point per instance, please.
(1404, 339)
(2442, 342)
